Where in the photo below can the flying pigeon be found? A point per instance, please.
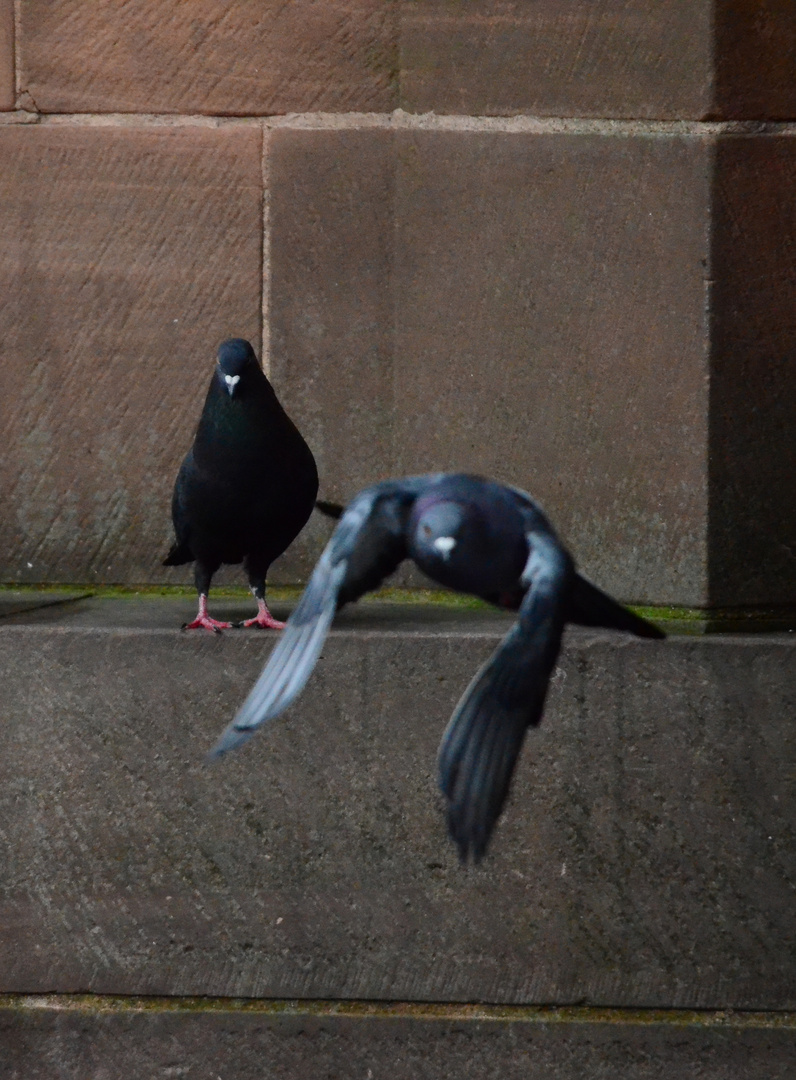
(475, 536)
(246, 487)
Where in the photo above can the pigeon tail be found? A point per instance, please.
(590, 606)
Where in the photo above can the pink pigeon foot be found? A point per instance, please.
(204, 622)
(263, 620)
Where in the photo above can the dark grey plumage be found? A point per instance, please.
(478, 537)
(246, 487)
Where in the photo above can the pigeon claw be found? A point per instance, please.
(204, 622)
(262, 622)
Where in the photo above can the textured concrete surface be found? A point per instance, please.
(63, 1043)
(126, 256)
(531, 307)
(7, 87)
(252, 56)
(646, 858)
(633, 58)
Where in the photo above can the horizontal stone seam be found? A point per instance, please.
(773, 640)
(402, 121)
(427, 1011)
(359, 633)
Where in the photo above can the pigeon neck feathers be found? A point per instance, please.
(246, 424)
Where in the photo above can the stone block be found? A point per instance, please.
(57, 1040)
(689, 59)
(529, 307)
(755, 60)
(752, 441)
(620, 58)
(126, 256)
(251, 56)
(7, 81)
(604, 320)
(646, 858)
(331, 308)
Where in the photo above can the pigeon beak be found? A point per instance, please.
(231, 381)
(445, 545)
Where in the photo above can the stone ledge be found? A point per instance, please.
(646, 858)
(342, 1039)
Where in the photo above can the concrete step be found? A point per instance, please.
(646, 858)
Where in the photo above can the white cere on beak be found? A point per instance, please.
(231, 381)
(445, 545)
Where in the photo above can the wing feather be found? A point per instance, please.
(367, 545)
(482, 742)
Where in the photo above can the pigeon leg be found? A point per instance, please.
(202, 576)
(263, 620)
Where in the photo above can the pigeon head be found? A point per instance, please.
(466, 544)
(236, 360)
(438, 531)
(446, 541)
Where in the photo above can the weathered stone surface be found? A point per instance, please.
(527, 306)
(331, 308)
(638, 59)
(7, 88)
(623, 58)
(606, 321)
(620, 58)
(251, 56)
(646, 859)
(752, 459)
(54, 1043)
(126, 256)
(755, 59)
(550, 331)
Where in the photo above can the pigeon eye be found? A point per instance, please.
(427, 530)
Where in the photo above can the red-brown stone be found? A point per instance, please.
(7, 89)
(630, 58)
(531, 307)
(126, 256)
(240, 57)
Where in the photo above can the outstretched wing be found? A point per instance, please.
(482, 741)
(367, 545)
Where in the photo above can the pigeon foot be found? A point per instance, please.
(263, 620)
(204, 622)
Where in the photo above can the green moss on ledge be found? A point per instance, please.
(674, 620)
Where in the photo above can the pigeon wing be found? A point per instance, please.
(482, 741)
(181, 548)
(367, 545)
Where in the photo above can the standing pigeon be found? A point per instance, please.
(477, 537)
(246, 487)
